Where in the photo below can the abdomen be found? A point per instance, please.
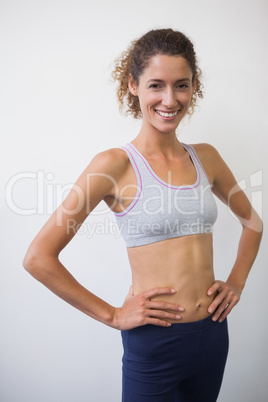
(184, 263)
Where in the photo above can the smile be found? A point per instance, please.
(165, 114)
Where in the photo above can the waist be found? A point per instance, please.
(184, 264)
(193, 299)
(177, 328)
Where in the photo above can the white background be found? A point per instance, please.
(58, 109)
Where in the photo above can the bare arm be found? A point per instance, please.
(227, 190)
(98, 181)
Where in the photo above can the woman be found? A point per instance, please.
(173, 321)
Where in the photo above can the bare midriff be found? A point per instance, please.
(183, 263)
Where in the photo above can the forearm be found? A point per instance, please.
(51, 273)
(247, 251)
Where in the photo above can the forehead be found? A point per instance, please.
(161, 66)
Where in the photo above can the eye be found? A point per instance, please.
(183, 86)
(155, 86)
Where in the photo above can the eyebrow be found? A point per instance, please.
(157, 80)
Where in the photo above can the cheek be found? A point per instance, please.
(150, 100)
(185, 97)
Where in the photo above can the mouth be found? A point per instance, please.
(167, 114)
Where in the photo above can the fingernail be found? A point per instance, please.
(209, 293)
(210, 310)
(181, 308)
(173, 291)
(178, 317)
(214, 318)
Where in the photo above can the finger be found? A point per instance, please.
(163, 306)
(214, 288)
(226, 311)
(163, 314)
(218, 313)
(221, 312)
(227, 308)
(216, 303)
(158, 291)
(158, 322)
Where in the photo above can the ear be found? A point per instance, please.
(132, 86)
(194, 85)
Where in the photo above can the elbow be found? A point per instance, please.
(30, 262)
(38, 263)
(34, 261)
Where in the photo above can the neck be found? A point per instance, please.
(153, 142)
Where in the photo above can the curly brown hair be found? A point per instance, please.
(136, 58)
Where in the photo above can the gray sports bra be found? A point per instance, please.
(160, 211)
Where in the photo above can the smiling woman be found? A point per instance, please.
(134, 61)
(173, 321)
(167, 96)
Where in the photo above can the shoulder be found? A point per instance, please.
(210, 159)
(104, 170)
(206, 151)
(112, 155)
(101, 176)
(112, 161)
(218, 171)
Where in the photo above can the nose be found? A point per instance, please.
(169, 98)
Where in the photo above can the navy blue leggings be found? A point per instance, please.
(181, 363)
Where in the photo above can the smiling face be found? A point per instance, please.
(165, 89)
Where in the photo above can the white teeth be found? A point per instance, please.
(167, 114)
